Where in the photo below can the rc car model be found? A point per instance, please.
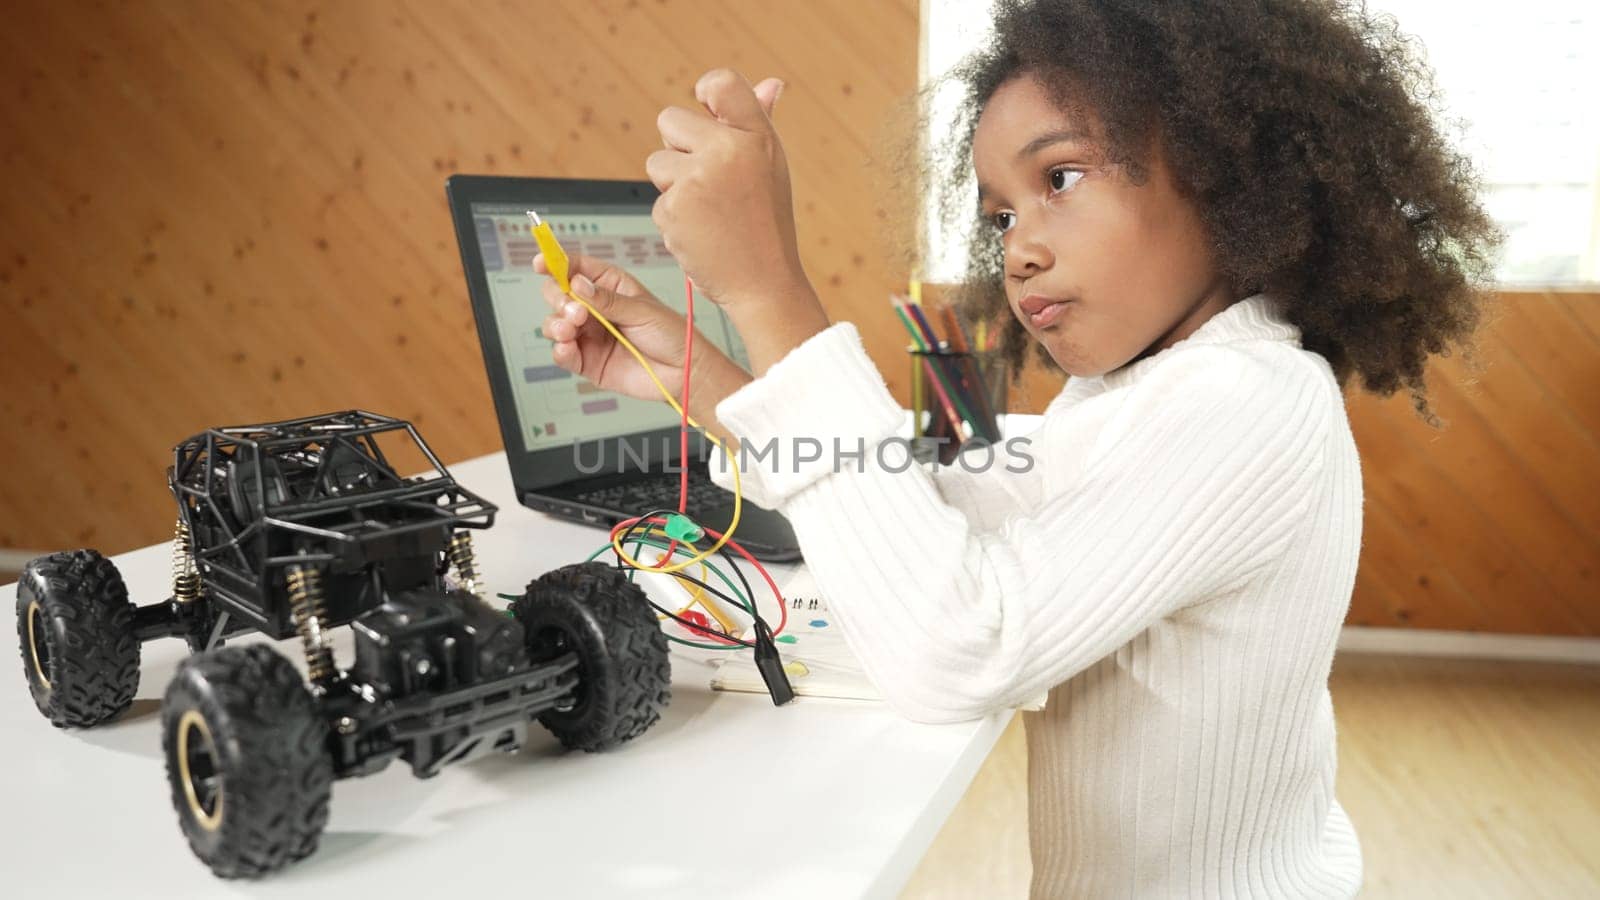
(295, 528)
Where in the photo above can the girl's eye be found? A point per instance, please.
(1003, 221)
(1061, 179)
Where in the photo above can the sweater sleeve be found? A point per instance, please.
(1191, 485)
(981, 490)
(983, 493)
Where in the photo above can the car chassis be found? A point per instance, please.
(298, 527)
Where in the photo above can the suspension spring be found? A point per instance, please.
(307, 605)
(465, 561)
(185, 580)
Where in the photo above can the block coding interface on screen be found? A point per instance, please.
(555, 407)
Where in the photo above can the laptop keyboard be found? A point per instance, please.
(657, 493)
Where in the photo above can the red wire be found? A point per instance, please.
(683, 426)
(783, 608)
(683, 480)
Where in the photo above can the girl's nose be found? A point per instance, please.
(1025, 253)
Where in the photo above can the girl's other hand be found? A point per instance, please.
(584, 347)
(725, 209)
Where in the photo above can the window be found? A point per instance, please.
(1520, 91)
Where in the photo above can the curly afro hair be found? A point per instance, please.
(1304, 133)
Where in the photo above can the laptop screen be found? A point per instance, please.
(554, 408)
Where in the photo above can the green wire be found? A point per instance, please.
(662, 545)
(643, 540)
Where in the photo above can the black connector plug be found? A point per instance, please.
(770, 665)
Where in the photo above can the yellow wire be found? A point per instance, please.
(704, 600)
(698, 597)
(556, 261)
(697, 593)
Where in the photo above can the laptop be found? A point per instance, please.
(578, 452)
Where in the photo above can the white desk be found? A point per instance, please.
(727, 796)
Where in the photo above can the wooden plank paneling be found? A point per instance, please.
(219, 212)
(1493, 522)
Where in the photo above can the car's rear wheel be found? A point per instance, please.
(75, 626)
(624, 674)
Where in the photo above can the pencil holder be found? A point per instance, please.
(956, 397)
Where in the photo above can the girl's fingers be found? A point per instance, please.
(731, 99)
(566, 355)
(767, 92)
(557, 328)
(611, 281)
(597, 270)
(663, 167)
(623, 310)
(605, 274)
(685, 129)
(551, 292)
(574, 313)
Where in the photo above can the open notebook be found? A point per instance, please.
(819, 661)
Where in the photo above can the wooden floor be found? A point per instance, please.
(1464, 779)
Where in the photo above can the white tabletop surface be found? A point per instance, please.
(727, 796)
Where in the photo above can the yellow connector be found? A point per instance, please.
(555, 258)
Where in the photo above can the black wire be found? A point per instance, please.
(715, 592)
(700, 629)
(643, 521)
(627, 535)
(763, 626)
(748, 591)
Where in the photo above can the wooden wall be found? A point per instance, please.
(218, 212)
(1493, 522)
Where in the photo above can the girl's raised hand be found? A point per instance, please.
(725, 209)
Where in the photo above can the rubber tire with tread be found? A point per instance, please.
(272, 755)
(92, 654)
(624, 672)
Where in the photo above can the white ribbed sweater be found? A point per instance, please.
(1174, 569)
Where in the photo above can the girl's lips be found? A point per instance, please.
(1042, 312)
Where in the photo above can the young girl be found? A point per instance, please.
(1212, 215)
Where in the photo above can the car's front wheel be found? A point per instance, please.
(624, 675)
(247, 760)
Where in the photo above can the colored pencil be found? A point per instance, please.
(958, 335)
(970, 377)
(933, 374)
(916, 313)
(916, 336)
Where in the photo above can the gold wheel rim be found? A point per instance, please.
(35, 616)
(192, 722)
